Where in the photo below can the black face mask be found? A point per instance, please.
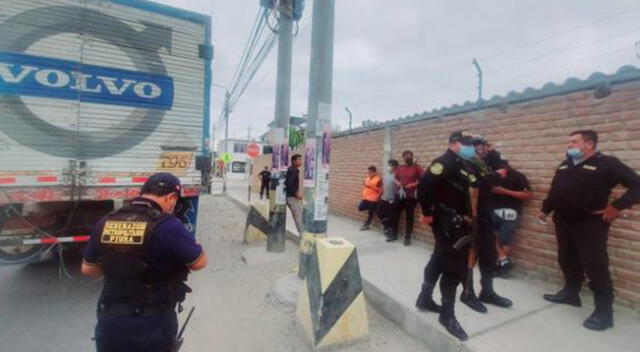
(493, 159)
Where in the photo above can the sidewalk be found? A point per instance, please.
(392, 275)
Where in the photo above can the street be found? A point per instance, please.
(236, 309)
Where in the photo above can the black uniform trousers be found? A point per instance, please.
(408, 204)
(486, 246)
(582, 248)
(447, 262)
(264, 187)
(122, 333)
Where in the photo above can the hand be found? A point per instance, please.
(609, 213)
(427, 220)
(542, 218)
(502, 172)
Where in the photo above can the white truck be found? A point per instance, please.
(95, 96)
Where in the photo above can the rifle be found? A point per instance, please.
(179, 340)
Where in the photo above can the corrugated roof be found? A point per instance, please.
(624, 74)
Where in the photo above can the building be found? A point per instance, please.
(239, 167)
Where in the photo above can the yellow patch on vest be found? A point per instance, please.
(589, 167)
(123, 232)
(562, 167)
(472, 178)
(436, 169)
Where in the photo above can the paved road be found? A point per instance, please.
(42, 310)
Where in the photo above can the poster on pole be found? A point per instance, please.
(309, 163)
(324, 131)
(275, 138)
(321, 206)
(284, 156)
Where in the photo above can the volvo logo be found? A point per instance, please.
(148, 90)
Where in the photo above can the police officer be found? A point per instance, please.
(145, 255)
(485, 161)
(579, 200)
(444, 197)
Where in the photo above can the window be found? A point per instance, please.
(267, 149)
(239, 147)
(239, 167)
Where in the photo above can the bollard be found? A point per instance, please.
(257, 225)
(331, 305)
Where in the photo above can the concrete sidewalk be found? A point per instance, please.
(392, 275)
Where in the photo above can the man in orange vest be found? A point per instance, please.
(371, 191)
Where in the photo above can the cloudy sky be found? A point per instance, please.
(397, 58)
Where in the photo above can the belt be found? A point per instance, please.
(133, 310)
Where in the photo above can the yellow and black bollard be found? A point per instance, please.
(331, 305)
(257, 225)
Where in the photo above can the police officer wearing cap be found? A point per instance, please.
(145, 255)
(446, 205)
(582, 214)
(485, 161)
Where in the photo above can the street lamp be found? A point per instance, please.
(350, 117)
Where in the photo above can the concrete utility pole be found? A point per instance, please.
(277, 201)
(227, 110)
(318, 141)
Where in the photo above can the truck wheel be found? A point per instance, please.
(20, 254)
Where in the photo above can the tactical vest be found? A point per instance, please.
(128, 278)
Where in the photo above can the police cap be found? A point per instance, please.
(162, 184)
(479, 140)
(464, 137)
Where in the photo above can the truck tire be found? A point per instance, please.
(20, 254)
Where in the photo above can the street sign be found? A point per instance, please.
(226, 157)
(253, 150)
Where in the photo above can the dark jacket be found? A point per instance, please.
(292, 181)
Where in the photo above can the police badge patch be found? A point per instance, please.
(436, 169)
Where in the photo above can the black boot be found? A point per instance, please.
(488, 295)
(602, 316)
(425, 300)
(566, 295)
(468, 295)
(448, 319)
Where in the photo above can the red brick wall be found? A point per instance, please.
(533, 136)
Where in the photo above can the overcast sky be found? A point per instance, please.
(397, 58)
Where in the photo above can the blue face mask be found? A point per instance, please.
(575, 153)
(467, 152)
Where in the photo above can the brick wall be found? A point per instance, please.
(532, 136)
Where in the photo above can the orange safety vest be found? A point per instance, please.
(372, 192)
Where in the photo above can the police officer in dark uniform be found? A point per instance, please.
(485, 161)
(446, 205)
(145, 255)
(579, 200)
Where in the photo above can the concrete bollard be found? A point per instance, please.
(257, 225)
(331, 305)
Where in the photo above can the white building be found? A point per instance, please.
(238, 168)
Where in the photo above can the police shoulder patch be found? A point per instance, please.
(436, 169)
(589, 167)
(562, 167)
(472, 178)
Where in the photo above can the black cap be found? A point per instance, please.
(479, 140)
(464, 137)
(161, 184)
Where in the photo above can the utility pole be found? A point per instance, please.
(227, 110)
(318, 141)
(350, 117)
(277, 200)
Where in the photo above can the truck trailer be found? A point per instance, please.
(95, 96)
